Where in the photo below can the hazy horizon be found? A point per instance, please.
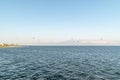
(56, 21)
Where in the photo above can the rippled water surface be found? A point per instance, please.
(60, 63)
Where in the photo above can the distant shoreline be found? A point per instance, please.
(8, 45)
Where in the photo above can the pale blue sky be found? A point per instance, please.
(29, 21)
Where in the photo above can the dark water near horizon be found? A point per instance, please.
(60, 63)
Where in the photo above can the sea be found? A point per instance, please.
(60, 63)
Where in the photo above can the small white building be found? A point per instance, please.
(2, 44)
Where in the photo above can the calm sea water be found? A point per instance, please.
(60, 63)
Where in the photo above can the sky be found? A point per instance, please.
(39, 21)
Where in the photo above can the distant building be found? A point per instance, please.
(2, 44)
